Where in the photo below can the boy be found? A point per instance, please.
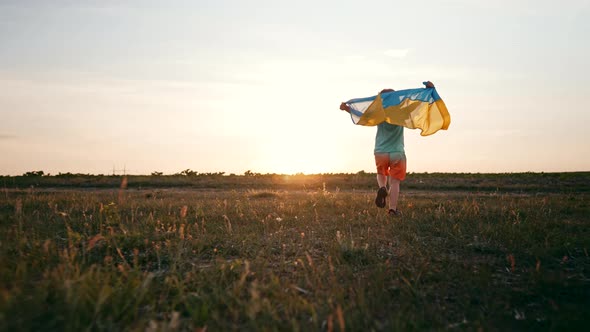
(390, 159)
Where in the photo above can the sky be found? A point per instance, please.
(229, 86)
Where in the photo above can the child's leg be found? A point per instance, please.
(393, 193)
(381, 180)
(382, 163)
(397, 173)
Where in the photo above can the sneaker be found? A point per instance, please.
(380, 200)
(395, 213)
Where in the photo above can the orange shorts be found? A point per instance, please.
(392, 164)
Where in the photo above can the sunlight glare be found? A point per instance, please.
(294, 156)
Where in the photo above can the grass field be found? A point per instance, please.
(509, 254)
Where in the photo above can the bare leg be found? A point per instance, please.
(381, 199)
(381, 180)
(393, 193)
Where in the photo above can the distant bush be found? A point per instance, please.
(34, 173)
(189, 172)
(250, 173)
(75, 175)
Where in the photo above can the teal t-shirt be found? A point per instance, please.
(389, 139)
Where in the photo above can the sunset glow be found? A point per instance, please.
(233, 86)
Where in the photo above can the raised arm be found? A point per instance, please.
(346, 108)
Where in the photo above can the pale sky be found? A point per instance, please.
(231, 86)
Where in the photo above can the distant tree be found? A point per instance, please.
(156, 173)
(34, 173)
(189, 172)
(250, 173)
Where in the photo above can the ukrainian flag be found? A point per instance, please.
(412, 108)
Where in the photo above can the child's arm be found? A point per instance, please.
(345, 107)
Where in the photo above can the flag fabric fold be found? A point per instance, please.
(420, 108)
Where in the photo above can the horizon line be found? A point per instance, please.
(252, 173)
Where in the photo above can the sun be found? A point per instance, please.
(294, 156)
